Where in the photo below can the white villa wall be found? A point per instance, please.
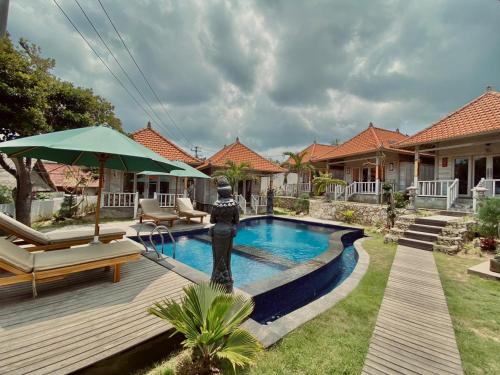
(278, 181)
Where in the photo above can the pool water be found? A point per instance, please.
(293, 241)
(198, 254)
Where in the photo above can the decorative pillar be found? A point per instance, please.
(377, 176)
(270, 202)
(412, 193)
(416, 168)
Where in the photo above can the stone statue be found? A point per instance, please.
(225, 215)
(270, 201)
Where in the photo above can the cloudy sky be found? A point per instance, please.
(278, 74)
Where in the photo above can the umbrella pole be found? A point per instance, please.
(102, 160)
(176, 183)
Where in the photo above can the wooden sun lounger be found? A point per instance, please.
(151, 210)
(53, 240)
(187, 210)
(49, 266)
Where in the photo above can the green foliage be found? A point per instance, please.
(323, 180)
(34, 101)
(210, 320)
(41, 196)
(301, 204)
(401, 199)
(489, 217)
(68, 208)
(348, 216)
(234, 173)
(297, 164)
(5, 194)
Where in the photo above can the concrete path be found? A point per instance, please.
(413, 333)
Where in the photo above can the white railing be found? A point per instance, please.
(258, 201)
(367, 187)
(451, 194)
(493, 186)
(335, 190)
(111, 199)
(242, 202)
(167, 199)
(350, 190)
(290, 190)
(435, 188)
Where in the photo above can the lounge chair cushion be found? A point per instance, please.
(69, 257)
(18, 229)
(83, 234)
(151, 207)
(186, 208)
(16, 256)
(162, 215)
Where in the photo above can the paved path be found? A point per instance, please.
(413, 333)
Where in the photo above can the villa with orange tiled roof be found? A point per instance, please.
(237, 152)
(466, 147)
(369, 159)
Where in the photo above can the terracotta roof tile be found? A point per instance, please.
(239, 153)
(480, 116)
(64, 176)
(162, 146)
(368, 140)
(313, 151)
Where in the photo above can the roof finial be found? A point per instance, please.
(237, 139)
(149, 124)
(370, 125)
(489, 88)
(397, 130)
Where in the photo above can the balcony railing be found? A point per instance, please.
(258, 201)
(112, 199)
(167, 199)
(434, 188)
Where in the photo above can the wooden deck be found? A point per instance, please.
(83, 319)
(413, 333)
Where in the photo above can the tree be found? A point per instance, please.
(323, 180)
(210, 320)
(297, 164)
(34, 101)
(234, 173)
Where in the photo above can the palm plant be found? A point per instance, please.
(297, 164)
(209, 319)
(323, 180)
(234, 172)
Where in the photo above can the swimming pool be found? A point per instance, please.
(282, 263)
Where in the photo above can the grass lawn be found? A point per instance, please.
(337, 341)
(474, 305)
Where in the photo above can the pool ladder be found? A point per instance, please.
(161, 229)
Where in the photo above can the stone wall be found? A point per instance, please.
(288, 203)
(364, 213)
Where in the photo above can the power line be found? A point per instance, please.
(143, 75)
(121, 67)
(101, 59)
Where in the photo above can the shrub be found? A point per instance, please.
(68, 208)
(487, 244)
(489, 217)
(210, 320)
(348, 216)
(302, 204)
(42, 196)
(5, 194)
(401, 199)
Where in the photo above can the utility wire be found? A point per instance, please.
(143, 75)
(122, 68)
(101, 59)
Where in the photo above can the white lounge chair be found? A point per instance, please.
(150, 209)
(53, 265)
(54, 240)
(186, 209)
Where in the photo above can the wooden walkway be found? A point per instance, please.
(413, 332)
(83, 319)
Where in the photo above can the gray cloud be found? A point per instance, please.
(279, 74)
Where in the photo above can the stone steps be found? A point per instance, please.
(426, 228)
(422, 236)
(416, 244)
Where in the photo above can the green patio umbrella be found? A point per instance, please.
(95, 146)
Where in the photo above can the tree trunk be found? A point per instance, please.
(23, 190)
